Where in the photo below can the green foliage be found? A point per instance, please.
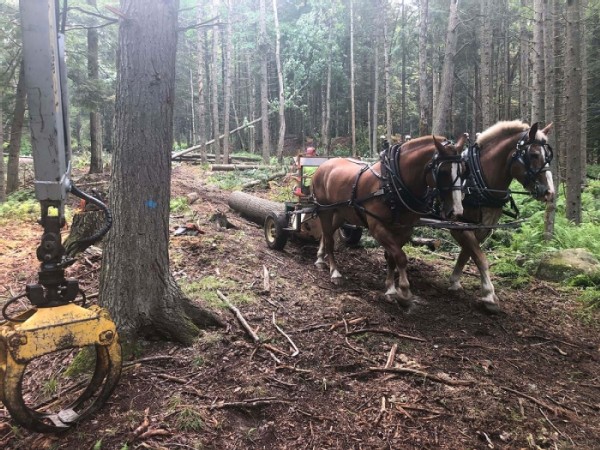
(20, 206)
(232, 181)
(179, 205)
(187, 417)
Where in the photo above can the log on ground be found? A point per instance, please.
(254, 208)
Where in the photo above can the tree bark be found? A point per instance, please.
(16, 128)
(573, 109)
(352, 106)
(375, 97)
(549, 106)
(214, 83)
(281, 138)
(96, 165)
(2, 175)
(424, 99)
(386, 78)
(537, 56)
(486, 36)
(202, 110)
(524, 67)
(442, 112)
(263, 48)
(136, 284)
(227, 83)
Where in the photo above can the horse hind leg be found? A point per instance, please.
(326, 246)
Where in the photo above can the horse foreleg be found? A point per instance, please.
(471, 248)
(461, 261)
(320, 262)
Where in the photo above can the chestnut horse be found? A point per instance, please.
(504, 151)
(387, 197)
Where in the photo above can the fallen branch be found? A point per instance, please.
(541, 403)
(391, 357)
(239, 317)
(250, 403)
(344, 323)
(253, 183)
(164, 376)
(428, 376)
(154, 433)
(390, 332)
(296, 351)
(139, 431)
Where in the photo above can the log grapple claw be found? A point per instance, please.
(49, 330)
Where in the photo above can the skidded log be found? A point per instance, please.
(254, 208)
(232, 167)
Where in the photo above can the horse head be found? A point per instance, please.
(445, 175)
(530, 163)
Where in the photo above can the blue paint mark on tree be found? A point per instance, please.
(151, 204)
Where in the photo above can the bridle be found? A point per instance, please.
(434, 166)
(522, 156)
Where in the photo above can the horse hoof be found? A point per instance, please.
(405, 303)
(337, 281)
(455, 287)
(490, 308)
(321, 265)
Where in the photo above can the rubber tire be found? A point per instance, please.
(350, 235)
(275, 235)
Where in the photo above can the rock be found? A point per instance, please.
(564, 264)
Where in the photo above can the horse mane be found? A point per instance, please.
(416, 143)
(503, 129)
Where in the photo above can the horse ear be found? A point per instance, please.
(461, 141)
(438, 144)
(548, 129)
(533, 131)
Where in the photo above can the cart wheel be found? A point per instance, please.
(275, 234)
(350, 234)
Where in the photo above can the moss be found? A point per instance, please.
(83, 363)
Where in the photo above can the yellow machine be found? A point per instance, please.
(55, 322)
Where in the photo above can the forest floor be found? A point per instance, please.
(526, 378)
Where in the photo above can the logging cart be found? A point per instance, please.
(296, 217)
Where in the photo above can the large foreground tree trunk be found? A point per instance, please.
(2, 182)
(14, 149)
(96, 165)
(136, 284)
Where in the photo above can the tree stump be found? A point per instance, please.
(85, 224)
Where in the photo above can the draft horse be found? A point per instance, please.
(388, 197)
(505, 151)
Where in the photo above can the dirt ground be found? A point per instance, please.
(459, 379)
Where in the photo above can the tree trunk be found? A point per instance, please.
(16, 128)
(352, 106)
(251, 104)
(549, 106)
(584, 91)
(424, 112)
(386, 79)
(263, 48)
(375, 98)
(403, 70)
(227, 83)
(136, 284)
(524, 67)
(281, 139)
(537, 56)
(96, 165)
(506, 114)
(442, 113)
(573, 109)
(202, 110)
(2, 179)
(325, 129)
(214, 82)
(486, 37)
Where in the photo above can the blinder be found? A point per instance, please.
(437, 163)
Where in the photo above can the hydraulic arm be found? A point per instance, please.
(55, 322)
